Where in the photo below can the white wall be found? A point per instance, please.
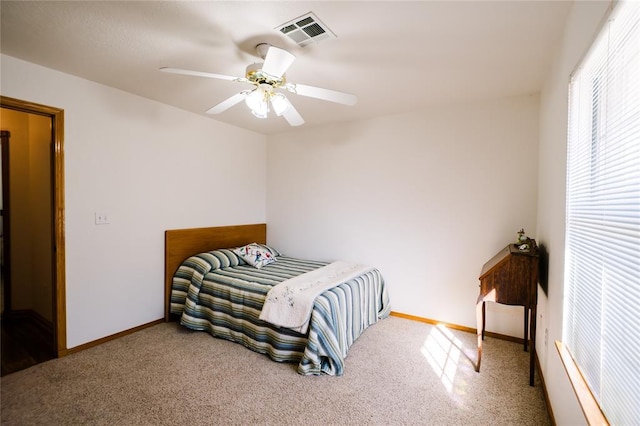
(582, 26)
(427, 197)
(150, 167)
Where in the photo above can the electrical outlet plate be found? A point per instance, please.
(101, 218)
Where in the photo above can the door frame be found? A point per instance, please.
(59, 275)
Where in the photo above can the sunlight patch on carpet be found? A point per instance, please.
(443, 351)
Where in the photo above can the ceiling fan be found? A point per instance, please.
(267, 77)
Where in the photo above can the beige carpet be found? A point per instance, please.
(399, 372)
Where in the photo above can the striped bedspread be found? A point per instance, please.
(218, 293)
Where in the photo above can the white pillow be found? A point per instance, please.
(255, 255)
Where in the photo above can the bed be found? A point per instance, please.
(208, 287)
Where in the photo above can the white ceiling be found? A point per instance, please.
(395, 56)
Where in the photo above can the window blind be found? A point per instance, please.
(602, 252)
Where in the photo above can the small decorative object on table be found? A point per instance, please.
(522, 241)
(521, 238)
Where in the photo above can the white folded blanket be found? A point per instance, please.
(289, 303)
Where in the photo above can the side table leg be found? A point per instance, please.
(484, 318)
(532, 361)
(526, 328)
(479, 330)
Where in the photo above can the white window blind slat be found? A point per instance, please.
(602, 259)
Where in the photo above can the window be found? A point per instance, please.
(602, 259)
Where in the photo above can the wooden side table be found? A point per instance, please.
(511, 278)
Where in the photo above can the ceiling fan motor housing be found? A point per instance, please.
(255, 75)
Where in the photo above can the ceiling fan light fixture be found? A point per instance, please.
(256, 100)
(279, 104)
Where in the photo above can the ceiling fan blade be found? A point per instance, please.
(277, 61)
(227, 103)
(324, 94)
(291, 115)
(202, 74)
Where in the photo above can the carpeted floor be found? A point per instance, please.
(399, 372)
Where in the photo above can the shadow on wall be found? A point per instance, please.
(543, 268)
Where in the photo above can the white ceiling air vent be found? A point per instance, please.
(306, 29)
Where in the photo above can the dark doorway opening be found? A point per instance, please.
(32, 244)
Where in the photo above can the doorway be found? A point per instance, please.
(33, 302)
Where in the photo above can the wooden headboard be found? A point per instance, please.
(179, 244)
